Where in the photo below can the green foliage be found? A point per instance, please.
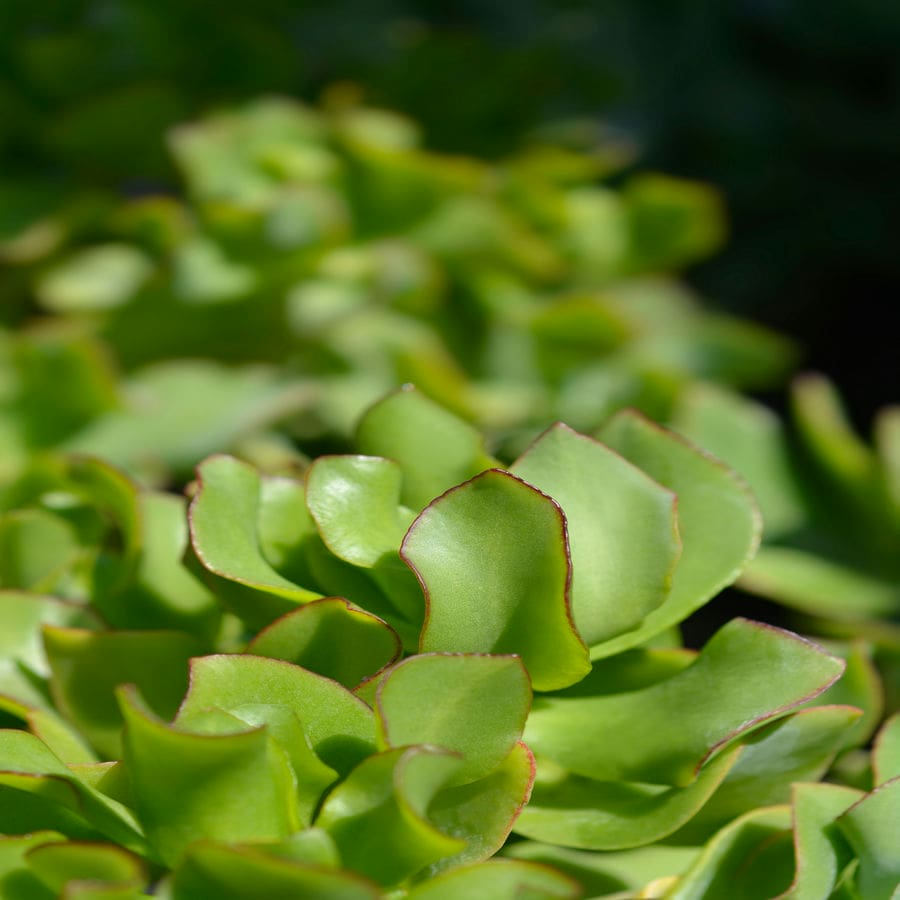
(358, 681)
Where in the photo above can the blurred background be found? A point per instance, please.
(791, 108)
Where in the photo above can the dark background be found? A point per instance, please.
(791, 108)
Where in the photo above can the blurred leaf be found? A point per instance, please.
(886, 751)
(500, 879)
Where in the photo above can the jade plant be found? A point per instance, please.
(419, 671)
(316, 259)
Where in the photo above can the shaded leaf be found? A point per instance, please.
(499, 879)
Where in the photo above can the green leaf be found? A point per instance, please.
(378, 814)
(666, 731)
(61, 737)
(37, 549)
(622, 527)
(798, 748)
(30, 767)
(473, 705)
(96, 278)
(750, 859)
(224, 517)
(23, 663)
(56, 864)
(333, 638)
(499, 879)
(245, 873)
(820, 853)
(483, 812)
(17, 881)
(751, 439)
(87, 667)
(492, 557)
(340, 727)
(718, 520)
(433, 447)
(820, 586)
(871, 828)
(189, 786)
(355, 502)
(606, 873)
(886, 751)
(613, 815)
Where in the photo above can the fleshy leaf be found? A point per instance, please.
(189, 786)
(224, 518)
(245, 873)
(58, 864)
(871, 828)
(331, 637)
(434, 448)
(483, 812)
(606, 873)
(492, 557)
(499, 879)
(664, 732)
(610, 815)
(820, 853)
(30, 767)
(378, 814)
(36, 550)
(17, 882)
(800, 747)
(87, 666)
(355, 502)
(750, 859)
(718, 520)
(886, 751)
(473, 705)
(340, 727)
(622, 528)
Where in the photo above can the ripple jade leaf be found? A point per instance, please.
(37, 548)
(16, 879)
(482, 813)
(188, 786)
(612, 815)
(21, 647)
(30, 767)
(798, 748)
(886, 751)
(433, 447)
(623, 532)
(224, 519)
(340, 727)
(663, 733)
(247, 873)
(61, 737)
(470, 704)
(378, 815)
(163, 593)
(750, 859)
(87, 666)
(606, 873)
(820, 853)
(331, 637)
(58, 864)
(499, 879)
(355, 501)
(718, 520)
(492, 558)
(871, 828)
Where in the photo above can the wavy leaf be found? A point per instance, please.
(492, 558)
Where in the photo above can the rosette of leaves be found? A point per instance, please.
(358, 683)
(332, 245)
